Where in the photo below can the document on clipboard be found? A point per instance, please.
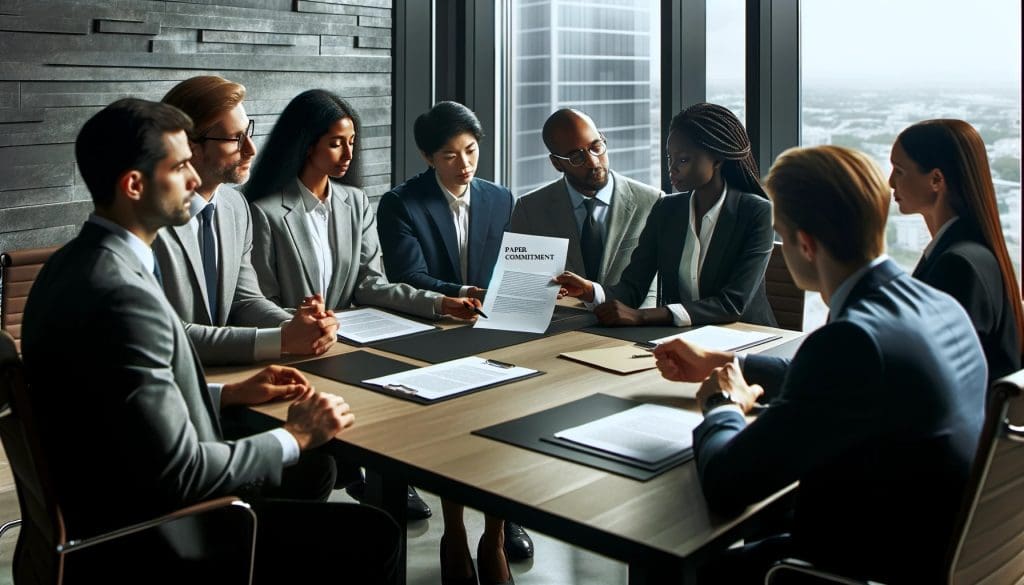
(453, 377)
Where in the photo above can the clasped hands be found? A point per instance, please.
(612, 312)
(313, 329)
(717, 371)
(313, 417)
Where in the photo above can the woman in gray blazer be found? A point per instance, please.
(314, 230)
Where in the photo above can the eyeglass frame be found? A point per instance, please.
(585, 152)
(249, 132)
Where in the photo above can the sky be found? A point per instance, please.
(914, 42)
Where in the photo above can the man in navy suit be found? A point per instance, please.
(878, 414)
(441, 230)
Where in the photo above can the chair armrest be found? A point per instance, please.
(194, 510)
(804, 568)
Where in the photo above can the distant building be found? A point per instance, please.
(604, 62)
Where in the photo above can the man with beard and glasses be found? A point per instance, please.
(600, 211)
(207, 270)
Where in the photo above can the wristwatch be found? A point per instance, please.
(720, 398)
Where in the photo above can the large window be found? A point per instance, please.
(726, 55)
(599, 56)
(873, 67)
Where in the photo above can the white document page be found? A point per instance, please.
(369, 325)
(649, 433)
(453, 377)
(521, 296)
(721, 338)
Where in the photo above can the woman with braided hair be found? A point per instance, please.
(708, 244)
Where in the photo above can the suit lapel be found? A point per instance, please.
(725, 230)
(436, 204)
(228, 265)
(186, 239)
(341, 212)
(479, 224)
(563, 224)
(294, 219)
(672, 240)
(621, 213)
(954, 233)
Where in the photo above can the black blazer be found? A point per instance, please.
(417, 234)
(732, 280)
(963, 266)
(878, 417)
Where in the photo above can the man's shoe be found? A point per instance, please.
(518, 544)
(416, 508)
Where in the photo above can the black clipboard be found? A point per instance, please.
(536, 432)
(354, 367)
(449, 344)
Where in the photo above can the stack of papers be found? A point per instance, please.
(648, 433)
(453, 377)
(369, 325)
(721, 338)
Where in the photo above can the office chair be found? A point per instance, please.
(47, 553)
(988, 546)
(18, 270)
(784, 296)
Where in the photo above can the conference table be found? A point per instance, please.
(661, 528)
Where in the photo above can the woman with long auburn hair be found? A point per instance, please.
(941, 171)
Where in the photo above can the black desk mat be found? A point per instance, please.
(449, 344)
(536, 433)
(354, 367)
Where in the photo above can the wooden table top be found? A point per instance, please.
(434, 448)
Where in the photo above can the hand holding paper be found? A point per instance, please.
(521, 294)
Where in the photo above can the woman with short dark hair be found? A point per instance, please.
(940, 170)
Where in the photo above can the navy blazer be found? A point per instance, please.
(417, 234)
(962, 265)
(878, 417)
(731, 284)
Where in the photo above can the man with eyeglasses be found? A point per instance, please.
(206, 269)
(600, 211)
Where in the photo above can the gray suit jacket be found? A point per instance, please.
(127, 421)
(547, 211)
(241, 306)
(285, 261)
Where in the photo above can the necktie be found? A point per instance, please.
(590, 241)
(208, 249)
(156, 271)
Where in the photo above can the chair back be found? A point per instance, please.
(43, 523)
(18, 270)
(784, 296)
(990, 548)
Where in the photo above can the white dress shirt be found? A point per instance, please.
(459, 207)
(289, 446)
(318, 220)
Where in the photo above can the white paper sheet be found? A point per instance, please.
(521, 296)
(369, 325)
(452, 377)
(649, 433)
(721, 338)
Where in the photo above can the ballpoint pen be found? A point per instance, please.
(475, 309)
(642, 355)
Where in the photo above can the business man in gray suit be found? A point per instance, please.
(206, 264)
(600, 211)
(134, 432)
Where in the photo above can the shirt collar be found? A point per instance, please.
(938, 235)
(604, 195)
(137, 246)
(198, 204)
(843, 290)
(715, 210)
(454, 201)
(311, 201)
